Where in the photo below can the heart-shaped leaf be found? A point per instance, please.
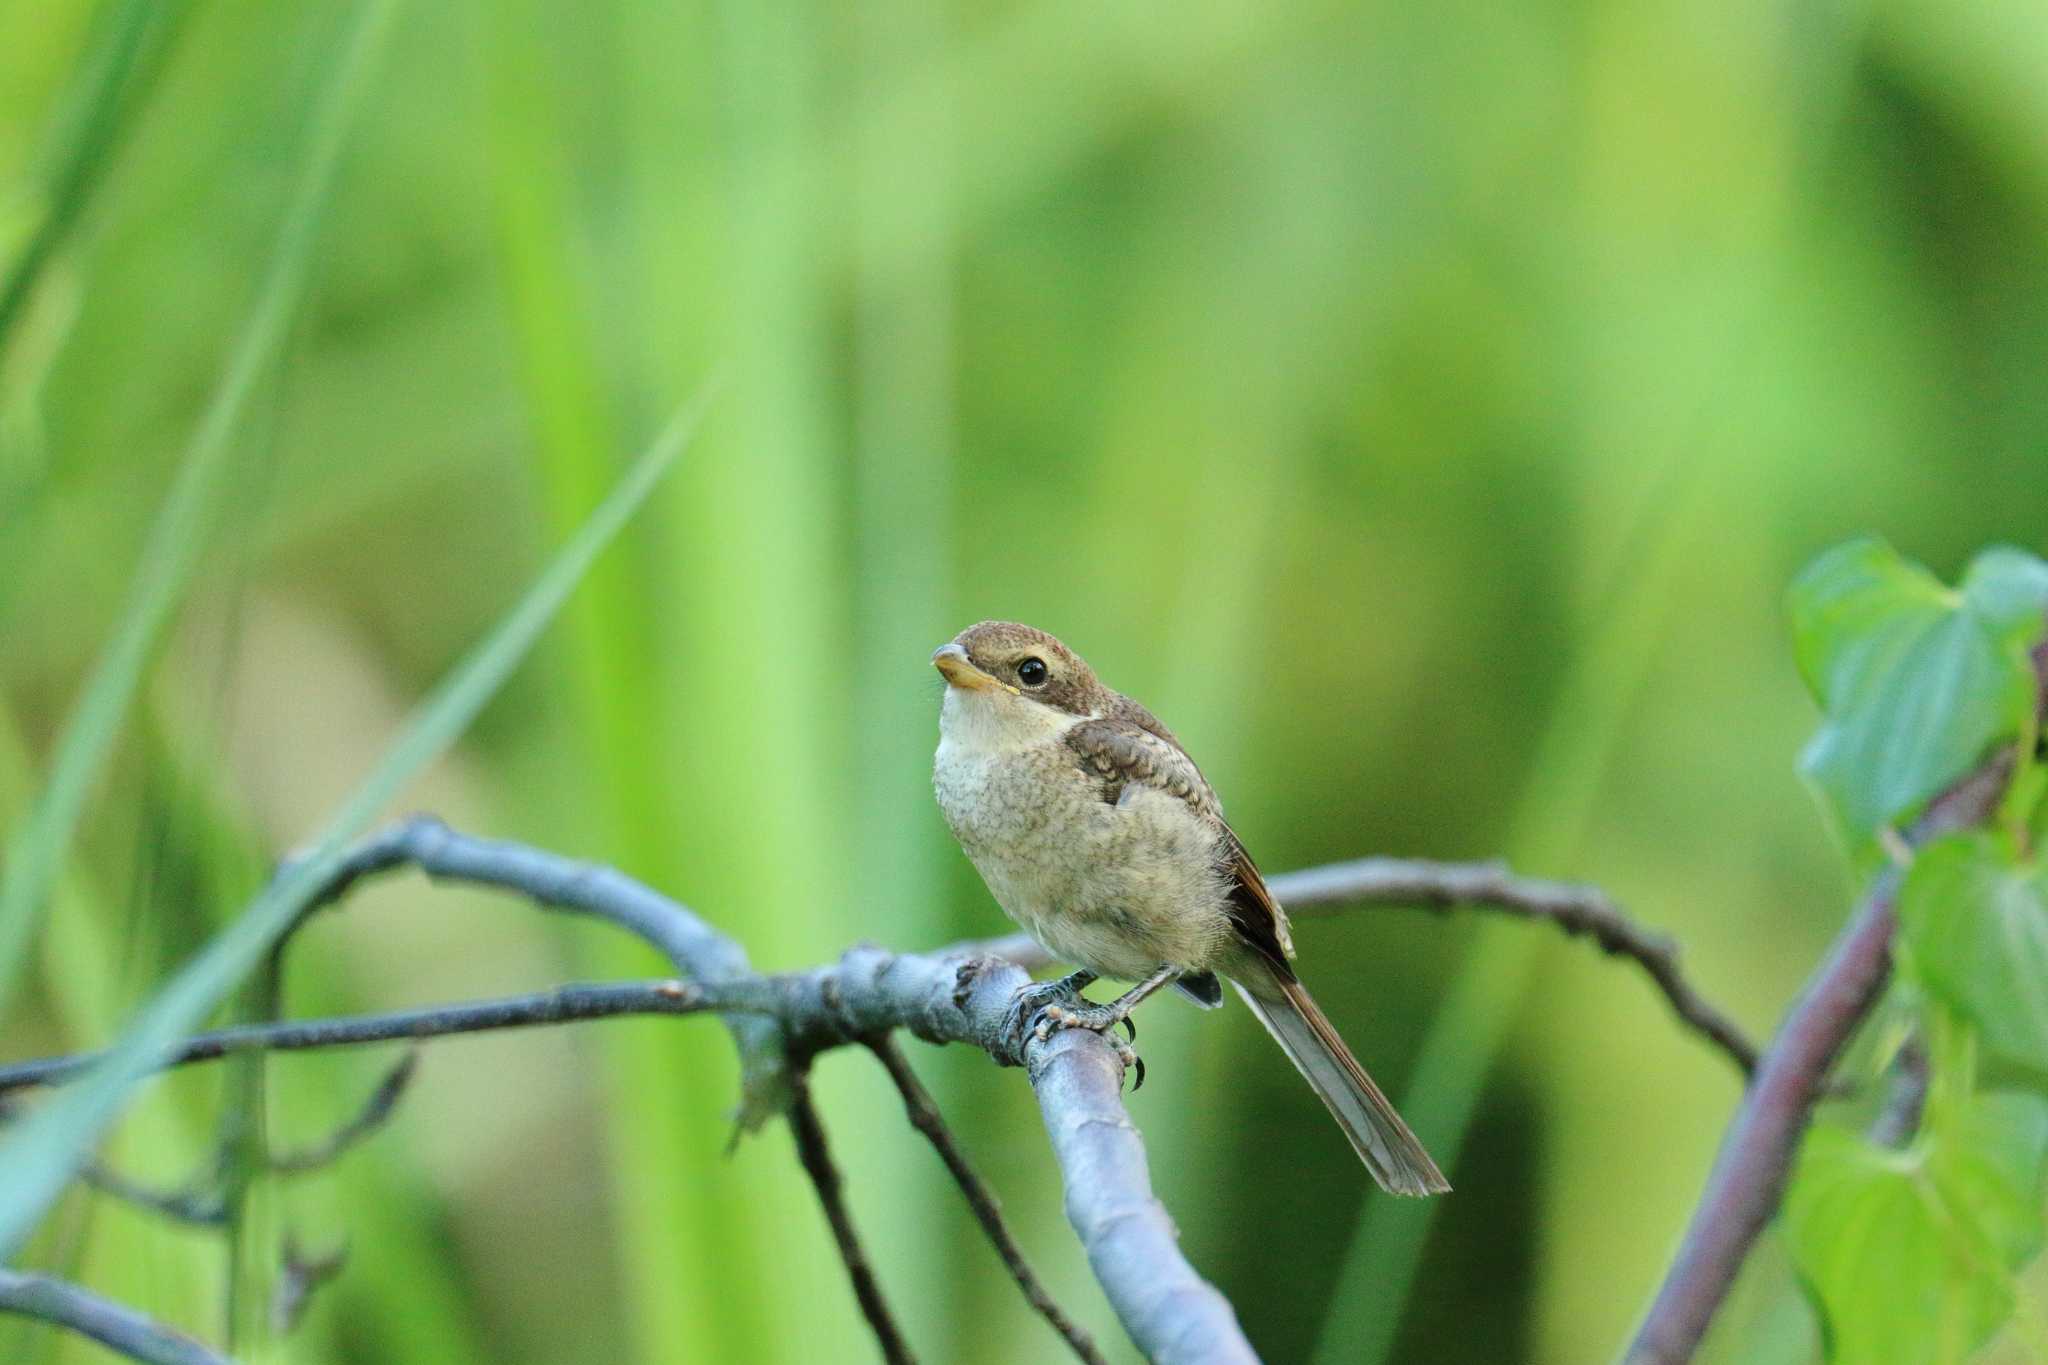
(1918, 681)
(1909, 1254)
(1973, 920)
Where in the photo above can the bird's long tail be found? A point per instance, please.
(1383, 1142)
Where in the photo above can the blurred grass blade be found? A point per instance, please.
(1551, 820)
(114, 79)
(37, 848)
(40, 1155)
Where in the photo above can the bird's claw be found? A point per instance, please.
(1029, 1009)
(1100, 1020)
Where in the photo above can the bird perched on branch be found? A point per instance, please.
(1099, 836)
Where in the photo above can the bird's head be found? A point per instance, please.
(1017, 674)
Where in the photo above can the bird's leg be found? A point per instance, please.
(1031, 1003)
(1102, 1018)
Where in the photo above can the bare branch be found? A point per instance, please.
(697, 951)
(1748, 1179)
(868, 992)
(115, 1326)
(198, 1203)
(816, 1156)
(1020, 950)
(924, 1116)
(1580, 911)
(375, 1113)
(1170, 1312)
(1172, 1315)
(564, 1004)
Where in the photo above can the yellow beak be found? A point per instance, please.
(959, 670)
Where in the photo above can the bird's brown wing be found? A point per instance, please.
(1258, 917)
(1120, 750)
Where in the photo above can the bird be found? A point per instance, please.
(1097, 833)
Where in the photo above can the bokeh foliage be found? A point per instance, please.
(1422, 408)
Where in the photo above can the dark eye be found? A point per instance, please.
(1032, 673)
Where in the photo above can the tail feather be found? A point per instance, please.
(1390, 1151)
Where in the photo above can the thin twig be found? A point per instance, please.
(554, 882)
(924, 1116)
(115, 1326)
(1749, 1174)
(564, 1004)
(1416, 883)
(1580, 911)
(816, 1156)
(198, 1203)
(375, 1113)
(1748, 1179)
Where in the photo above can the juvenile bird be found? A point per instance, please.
(1099, 836)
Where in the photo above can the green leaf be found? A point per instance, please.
(1973, 920)
(1918, 681)
(36, 850)
(2007, 589)
(1909, 1254)
(40, 1154)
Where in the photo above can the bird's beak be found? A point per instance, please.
(959, 670)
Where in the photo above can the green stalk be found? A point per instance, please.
(902, 607)
(39, 845)
(1471, 1027)
(112, 81)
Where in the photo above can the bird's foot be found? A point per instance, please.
(1101, 1019)
(1088, 1015)
(1029, 1007)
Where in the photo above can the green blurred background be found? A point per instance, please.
(1421, 408)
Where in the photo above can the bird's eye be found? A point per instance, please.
(1032, 673)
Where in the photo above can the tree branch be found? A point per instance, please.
(696, 950)
(1580, 911)
(1748, 1179)
(925, 1117)
(374, 1114)
(115, 1326)
(816, 1156)
(1172, 1315)
(564, 1004)
(939, 997)
(198, 1203)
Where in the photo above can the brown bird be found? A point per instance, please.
(1099, 836)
